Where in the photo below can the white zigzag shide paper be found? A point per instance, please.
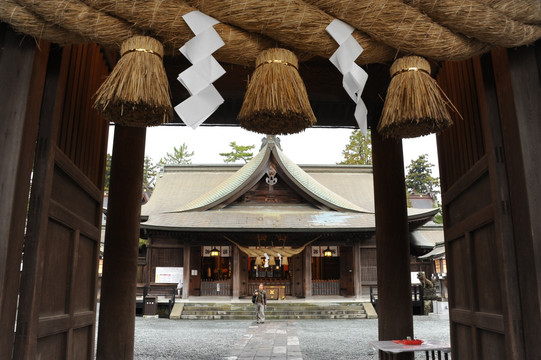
(197, 79)
(344, 59)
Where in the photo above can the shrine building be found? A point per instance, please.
(306, 230)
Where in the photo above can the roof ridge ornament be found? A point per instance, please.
(270, 140)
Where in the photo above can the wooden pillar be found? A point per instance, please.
(395, 319)
(117, 305)
(236, 272)
(187, 271)
(307, 264)
(357, 286)
(22, 73)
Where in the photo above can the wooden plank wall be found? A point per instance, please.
(23, 66)
(486, 303)
(475, 294)
(57, 309)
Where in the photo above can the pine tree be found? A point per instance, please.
(180, 155)
(359, 149)
(150, 170)
(107, 172)
(238, 152)
(419, 178)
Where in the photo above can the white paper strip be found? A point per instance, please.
(198, 78)
(344, 59)
(197, 108)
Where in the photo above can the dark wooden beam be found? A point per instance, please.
(119, 281)
(395, 314)
(330, 102)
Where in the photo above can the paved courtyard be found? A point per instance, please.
(288, 339)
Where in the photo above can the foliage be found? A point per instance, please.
(438, 218)
(359, 149)
(150, 170)
(107, 172)
(180, 155)
(142, 242)
(419, 178)
(238, 152)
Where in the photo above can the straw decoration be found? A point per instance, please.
(438, 30)
(294, 23)
(25, 21)
(468, 17)
(403, 27)
(136, 93)
(164, 19)
(276, 101)
(415, 104)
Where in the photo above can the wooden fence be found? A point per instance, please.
(325, 287)
(215, 287)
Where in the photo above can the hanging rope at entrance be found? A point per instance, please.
(272, 250)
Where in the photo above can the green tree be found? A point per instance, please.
(180, 155)
(150, 170)
(238, 152)
(419, 178)
(438, 218)
(359, 149)
(107, 173)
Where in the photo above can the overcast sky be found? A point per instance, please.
(313, 146)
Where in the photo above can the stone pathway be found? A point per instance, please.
(276, 340)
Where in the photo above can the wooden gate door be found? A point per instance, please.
(57, 308)
(346, 271)
(492, 315)
(195, 271)
(297, 275)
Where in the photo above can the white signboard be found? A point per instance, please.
(169, 274)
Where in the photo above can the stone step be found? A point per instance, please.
(271, 317)
(250, 311)
(277, 311)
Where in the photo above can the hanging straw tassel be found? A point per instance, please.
(276, 101)
(136, 93)
(415, 104)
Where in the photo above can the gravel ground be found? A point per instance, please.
(319, 339)
(186, 339)
(349, 339)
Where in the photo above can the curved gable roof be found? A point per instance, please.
(242, 178)
(312, 187)
(251, 173)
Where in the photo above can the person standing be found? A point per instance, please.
(260, 300)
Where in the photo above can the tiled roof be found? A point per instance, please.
(225, 189)
(314, 188)
(189, 197)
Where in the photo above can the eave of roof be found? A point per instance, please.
(261, 218)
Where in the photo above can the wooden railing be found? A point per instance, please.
(325, 287)
(215, 287)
